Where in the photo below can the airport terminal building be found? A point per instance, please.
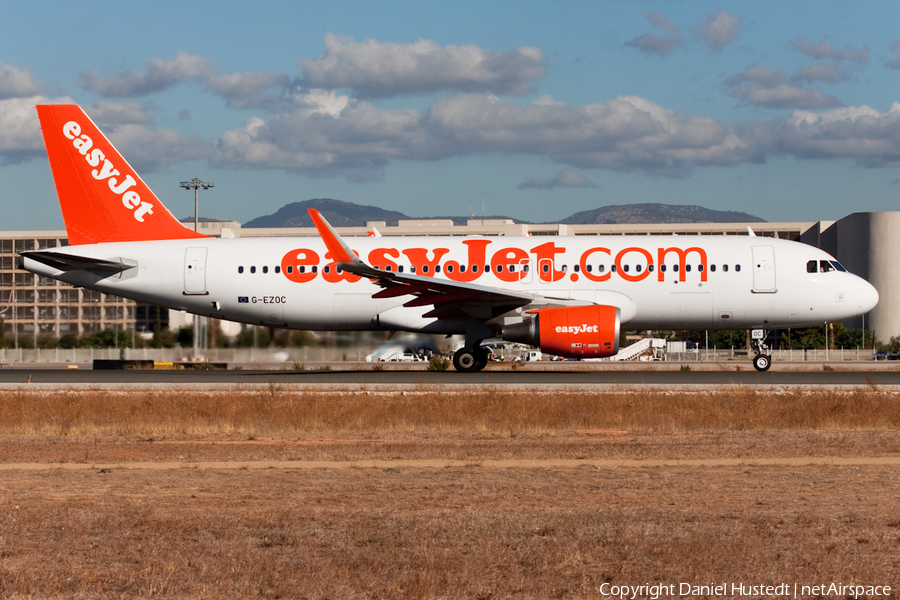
(862, 242)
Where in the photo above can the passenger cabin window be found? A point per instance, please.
(265, 269)
(240, 269)
(253, 269)
(737, 268)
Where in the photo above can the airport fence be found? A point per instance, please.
(780, 354)
(312, 354)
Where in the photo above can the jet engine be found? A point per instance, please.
(570, 331)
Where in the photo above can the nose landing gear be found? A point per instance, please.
(762, 361)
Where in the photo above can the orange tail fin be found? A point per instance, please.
(101, 196)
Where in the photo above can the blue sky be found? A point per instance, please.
(786, 110)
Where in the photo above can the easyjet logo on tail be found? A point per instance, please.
(105, 171)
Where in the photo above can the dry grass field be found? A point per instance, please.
(433, 493)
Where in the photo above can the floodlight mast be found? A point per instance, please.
(195, 184)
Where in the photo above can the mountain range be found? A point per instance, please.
(348, 214)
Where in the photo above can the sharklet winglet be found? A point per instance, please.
(340, 251)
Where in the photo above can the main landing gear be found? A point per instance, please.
(469, 360)
(762, 361)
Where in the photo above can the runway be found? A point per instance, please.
(391, 378)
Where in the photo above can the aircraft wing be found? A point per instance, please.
(71, 262)
(449, 298)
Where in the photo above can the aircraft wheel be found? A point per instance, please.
(481, 354)
(762, 362)
(466, 361)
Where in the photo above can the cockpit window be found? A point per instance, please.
(839, 266)
(812, 267)
(825, 266)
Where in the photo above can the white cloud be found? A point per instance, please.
(626, 134)
(160, 75)
(119, 113)
(785, 95)
(325, 136)
(16, 83)
(150, 150)
(830, 73)
(757, 75)
(761, 86)
(894, 64)
(374, 69)
(861, 133)
(658, 44)
(824, 50)
(242, 90)
(720, 30)
(565, 178)
(20, 130)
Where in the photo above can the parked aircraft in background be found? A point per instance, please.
(568, 296)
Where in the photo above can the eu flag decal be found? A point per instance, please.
(243, 299)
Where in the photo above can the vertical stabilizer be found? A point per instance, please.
(102, 198)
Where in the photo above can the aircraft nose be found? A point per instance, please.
(868, 297)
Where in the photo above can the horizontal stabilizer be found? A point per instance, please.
(70, 262)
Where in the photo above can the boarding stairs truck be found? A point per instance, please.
(645, 349)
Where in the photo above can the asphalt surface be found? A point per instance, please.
(396, 377)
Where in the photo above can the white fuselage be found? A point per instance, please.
(709, 282)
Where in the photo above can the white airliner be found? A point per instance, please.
(569, 296)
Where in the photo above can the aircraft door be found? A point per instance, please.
(195, 272)
(764, 269)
